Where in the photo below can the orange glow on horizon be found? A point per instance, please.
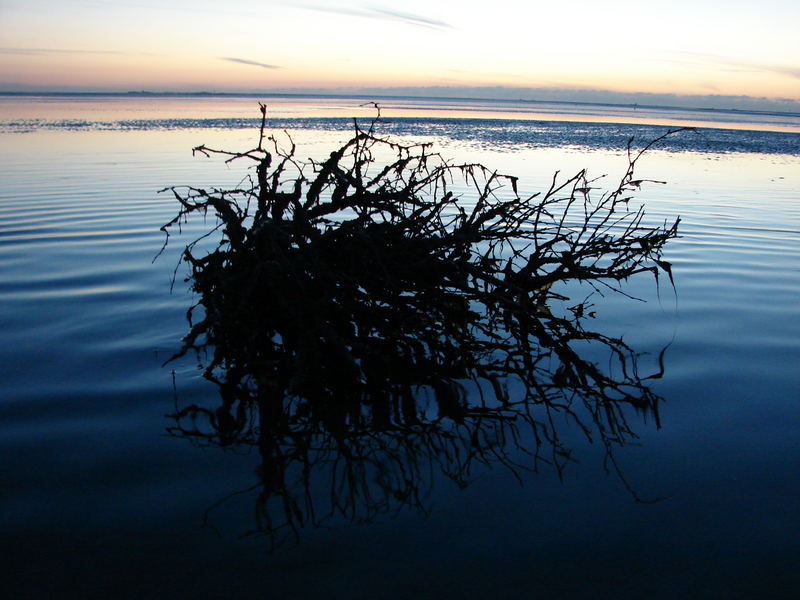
(120, 46)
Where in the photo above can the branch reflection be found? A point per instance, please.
(337, 443)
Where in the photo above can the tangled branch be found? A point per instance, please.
(342, 292)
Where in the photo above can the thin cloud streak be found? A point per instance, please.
(790, 71)
(411, 19)
(48, 51)
(742, 66)
(105, 4)
(252, 63)
(372, 12)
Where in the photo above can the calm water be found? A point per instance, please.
(98, 501)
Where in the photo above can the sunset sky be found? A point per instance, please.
(683, 47)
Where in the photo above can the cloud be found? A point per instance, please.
(252, 63)
(409, 18)
(47, 51)
(374, 12)
(219, 9)
(732, 64)
(790, 71)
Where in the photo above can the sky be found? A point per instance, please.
(676, 51)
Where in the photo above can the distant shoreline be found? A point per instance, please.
(500, 101)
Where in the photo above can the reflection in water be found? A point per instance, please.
(336, 446)
(368, 329)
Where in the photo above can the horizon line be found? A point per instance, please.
(363, 95)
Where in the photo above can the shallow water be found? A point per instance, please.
(97, 501)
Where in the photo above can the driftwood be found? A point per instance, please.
(382, 312)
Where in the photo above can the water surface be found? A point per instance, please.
(98, 501)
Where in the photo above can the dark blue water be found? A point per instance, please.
(99, 501)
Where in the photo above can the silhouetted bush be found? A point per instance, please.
(362, 312)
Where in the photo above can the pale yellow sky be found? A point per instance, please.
(731, 48)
